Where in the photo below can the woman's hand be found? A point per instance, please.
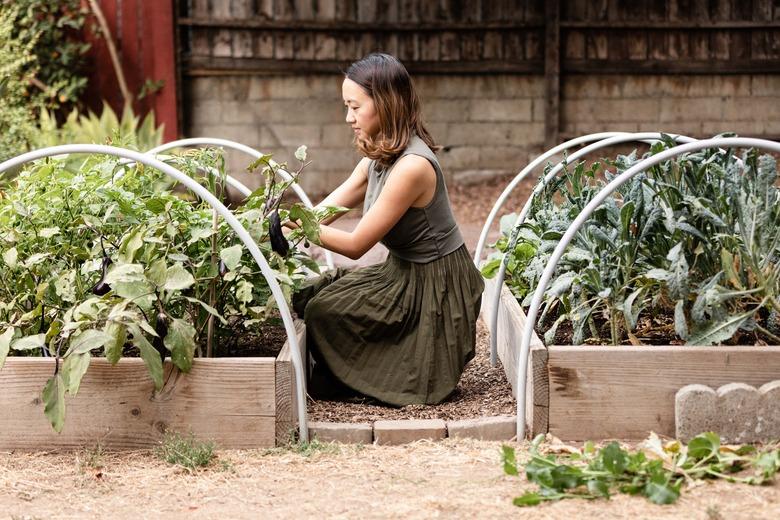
(291, 225)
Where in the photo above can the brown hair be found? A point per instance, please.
(389, 85)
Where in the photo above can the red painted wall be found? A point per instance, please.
(144, 34)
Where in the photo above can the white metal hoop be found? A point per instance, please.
(230, 219)
(579, 221)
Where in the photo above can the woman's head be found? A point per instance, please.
(382, 107)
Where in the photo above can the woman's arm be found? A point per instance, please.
(410, 182)
(351, 192)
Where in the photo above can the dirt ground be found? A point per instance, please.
(446, 479)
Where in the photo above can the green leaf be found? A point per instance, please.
(128, 273)
(149, 354)
(300, 153)
(308, 222)
(73, 369)
(130, 245)
(208, 308)
(720, 331)
(54, 402)
(5, 344)
(661, 493)
(180, 340)
(177, 278)
(10, 257)
(157, 272)
(529, 498)
(117, 333)
(680, 323)
(244, 291)
(598, 487)
(490, 268)
(704, 446)
(508, 459)
(29, 342)
(86, 341)
(232, 256)
(614, 458)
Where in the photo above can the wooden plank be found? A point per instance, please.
(511, 323)
(552, 73)
(672, 66)
(357, 27)
(626, 392)
(286, 396)
(200, 66)
(231, 401)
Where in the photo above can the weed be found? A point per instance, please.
(185, 451)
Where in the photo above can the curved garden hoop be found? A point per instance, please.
(242, 188)
(617, 139)
(525, 344)
(523, 174)
(231, 220)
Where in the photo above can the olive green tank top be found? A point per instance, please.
(422, 234)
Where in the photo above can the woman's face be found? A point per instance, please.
(361, 111)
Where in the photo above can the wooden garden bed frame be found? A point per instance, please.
(624, 392)
(236, 402)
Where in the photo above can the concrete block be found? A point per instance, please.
(337, 135)
(444, 110)
(500, 110)
(501, 428)
(753, 108)
(768, 415)
(237, 112)
(234, 88)
(205, 114)
(404, 431)
(695, 411)
(347, 433)
(691, 108)
(738, 412)
(765, 85)
(738, 409)
(295, 135)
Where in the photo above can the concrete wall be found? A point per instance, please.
(488, 125)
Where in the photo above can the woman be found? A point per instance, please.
(401, 331)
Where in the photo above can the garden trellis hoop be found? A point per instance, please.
(230, 219)
(243, 189)
(647, 137)
(579, 221)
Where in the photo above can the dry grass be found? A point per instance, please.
(448, 479)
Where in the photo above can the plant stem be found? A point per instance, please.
(120, 75)
(212, 287)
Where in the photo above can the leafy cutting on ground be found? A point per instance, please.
(657, 471)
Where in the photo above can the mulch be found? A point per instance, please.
(483, 391)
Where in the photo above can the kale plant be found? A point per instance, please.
(687, 250)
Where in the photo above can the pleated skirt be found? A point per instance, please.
(400, 332)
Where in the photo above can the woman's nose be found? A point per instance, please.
(350, 116)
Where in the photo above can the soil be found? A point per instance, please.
(454, 478)
(482, 391)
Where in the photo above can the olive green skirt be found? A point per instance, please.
(399, 331)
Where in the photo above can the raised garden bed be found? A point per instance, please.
(239, 402)
(600, 392)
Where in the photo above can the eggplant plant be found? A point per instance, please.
(101, 263)
(685, 253)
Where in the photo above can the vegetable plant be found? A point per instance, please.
(100, 263)
(685, 252)
(656, 470)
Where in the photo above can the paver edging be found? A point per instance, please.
(495, 428)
